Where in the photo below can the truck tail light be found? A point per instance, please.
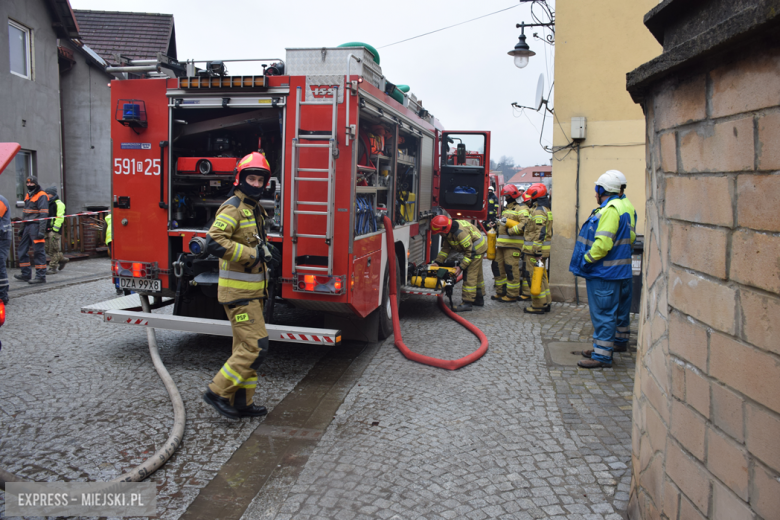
(132, 269)
(319, 284)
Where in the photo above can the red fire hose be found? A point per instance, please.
(449, 364)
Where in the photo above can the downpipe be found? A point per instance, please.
(449, 364)
(162, 455)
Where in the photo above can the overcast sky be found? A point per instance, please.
(463, 75)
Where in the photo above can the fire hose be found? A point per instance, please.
(449, 364)
(162, 455)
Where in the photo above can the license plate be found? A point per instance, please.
(140, 284)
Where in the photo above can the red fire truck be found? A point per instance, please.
(346, 147)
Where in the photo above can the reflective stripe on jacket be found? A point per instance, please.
(604, 246)
(513, 237)
(232, 239)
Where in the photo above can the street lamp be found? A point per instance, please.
(522, 51)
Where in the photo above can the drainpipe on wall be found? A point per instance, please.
(577, 223)
(62, 134)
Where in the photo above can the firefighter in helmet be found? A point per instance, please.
(536, 246)
(509, 246)
(461, 236)
(243, 270)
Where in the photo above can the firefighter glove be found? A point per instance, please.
(41, 235)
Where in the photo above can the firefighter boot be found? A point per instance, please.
(220, 404)
(463, 307)
(37, 280)
(534, 310)
(479, 301)
(22, 278)
(253, 410)
(507, 299)
(63, 261)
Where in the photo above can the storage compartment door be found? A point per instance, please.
(465, 167)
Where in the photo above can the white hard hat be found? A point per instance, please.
(491, 189)
(611, 181)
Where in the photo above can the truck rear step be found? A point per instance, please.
(113, 312)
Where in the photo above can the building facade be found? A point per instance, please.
(86, 122)
(29, 81)
(706, 405)
(596, 42)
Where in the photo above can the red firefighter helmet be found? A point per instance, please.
(511, 191)
(535, 191)
(254, 161)
(441, 225)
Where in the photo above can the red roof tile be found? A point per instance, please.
(135, 35)
(527, 174)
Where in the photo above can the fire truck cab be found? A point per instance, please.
(345, 146)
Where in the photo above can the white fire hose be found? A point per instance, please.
(162, 455)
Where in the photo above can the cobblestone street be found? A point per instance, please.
(518, 434)
(512, 436)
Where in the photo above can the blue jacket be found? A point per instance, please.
(604, 246)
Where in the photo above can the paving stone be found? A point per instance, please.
(82, 401)
(527, 437)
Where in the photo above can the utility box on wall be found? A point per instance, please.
(578, 127)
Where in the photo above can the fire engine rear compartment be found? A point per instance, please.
(205, 147)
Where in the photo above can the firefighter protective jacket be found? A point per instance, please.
(232, 239)
(492, 207)
(467, 239)
(512, 237)
(539, 229)
(36, 206)
(604, 247)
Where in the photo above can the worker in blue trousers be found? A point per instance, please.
(602, 255)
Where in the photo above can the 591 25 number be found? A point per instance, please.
(132, 166)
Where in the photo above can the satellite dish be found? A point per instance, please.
(539, 92)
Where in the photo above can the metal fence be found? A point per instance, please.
(83, 235)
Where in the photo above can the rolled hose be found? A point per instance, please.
(162, 455)
(449, 364)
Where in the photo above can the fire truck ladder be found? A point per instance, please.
(297, 204)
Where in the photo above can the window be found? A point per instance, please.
(19, 49)
(23, 162)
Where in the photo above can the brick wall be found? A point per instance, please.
(706, 440)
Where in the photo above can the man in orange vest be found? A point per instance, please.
(36, 206)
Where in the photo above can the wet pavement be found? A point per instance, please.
(356, 433)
